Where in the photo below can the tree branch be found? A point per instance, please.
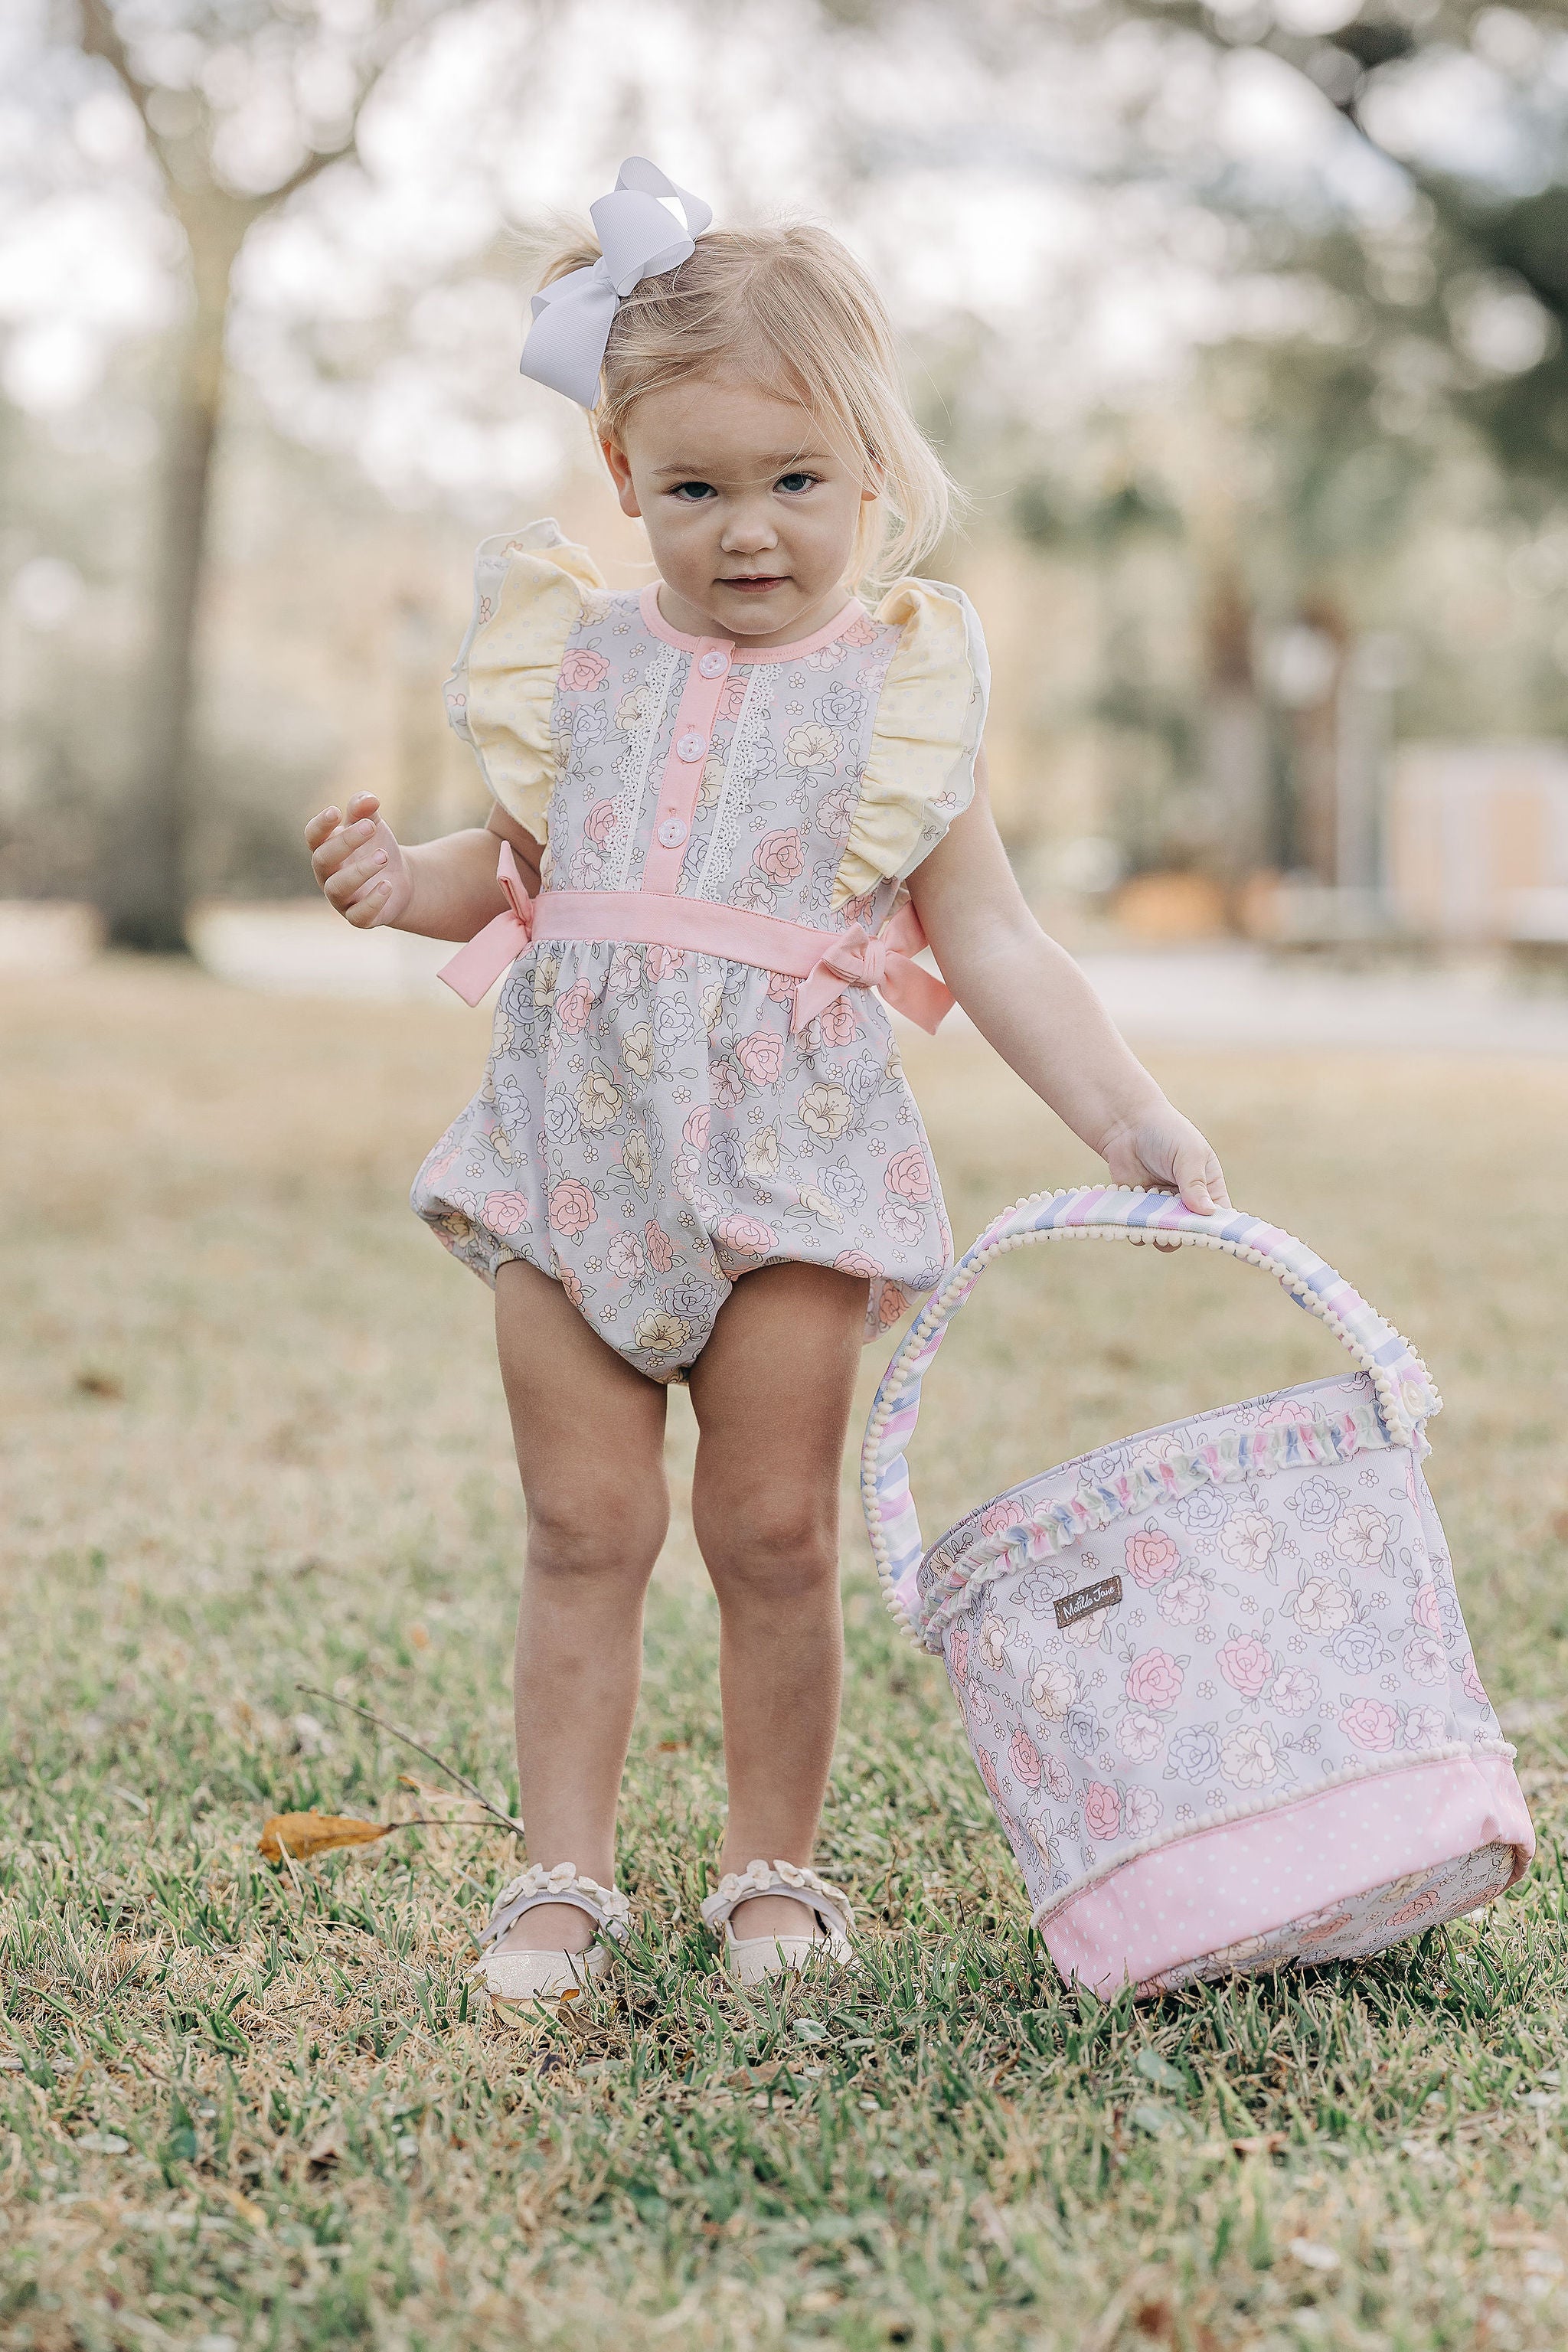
(313, 162)
(100, 37)
(1355, 50)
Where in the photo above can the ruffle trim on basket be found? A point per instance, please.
(1048, 1526)
(1250, 1807)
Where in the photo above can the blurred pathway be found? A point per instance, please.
(1227, 995)
(1244, 996)
(1224, 995)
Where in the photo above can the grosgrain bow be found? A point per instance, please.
(475, 969)
(645, 224)
(886, 963)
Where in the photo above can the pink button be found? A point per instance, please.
(691, 745)
(673, 832)
(714, 665)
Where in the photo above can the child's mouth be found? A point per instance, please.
(753, 584)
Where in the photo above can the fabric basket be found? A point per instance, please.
(1215, 1677)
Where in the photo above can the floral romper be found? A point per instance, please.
(651, 1127)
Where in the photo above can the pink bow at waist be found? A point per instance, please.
(887, 963)
(825, 962)
(476, 968)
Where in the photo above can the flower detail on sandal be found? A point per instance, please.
(752, 1959)
(534, 1976)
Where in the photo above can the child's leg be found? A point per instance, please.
(590, 1445)
(772, 1392)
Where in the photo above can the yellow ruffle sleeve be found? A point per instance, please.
(530, 588)
(920, 770)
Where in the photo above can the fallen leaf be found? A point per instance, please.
(327, 2150)
(306, 1834)
(1313, 2256)
(1269, 2144)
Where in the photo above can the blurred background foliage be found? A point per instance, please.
(1242, 326)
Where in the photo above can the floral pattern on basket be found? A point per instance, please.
(1269, 1634)
(1215, 1675)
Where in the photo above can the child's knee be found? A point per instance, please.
(780, 1552)
(607, 1531)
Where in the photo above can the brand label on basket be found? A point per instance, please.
(1106, 1594)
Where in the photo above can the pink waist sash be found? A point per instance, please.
(825, 962)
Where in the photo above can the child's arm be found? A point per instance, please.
(1028, 998)
(443, 889)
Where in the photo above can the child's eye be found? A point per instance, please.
(794, 483)
(692, 491)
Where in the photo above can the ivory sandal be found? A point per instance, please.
(542, 1976)
(754, 1959)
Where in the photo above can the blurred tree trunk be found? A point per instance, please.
(145, 887)
(1235, 732)
(1316, 731)
(1235, 744)
(144, 891)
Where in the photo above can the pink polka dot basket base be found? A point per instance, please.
(1215, 1676)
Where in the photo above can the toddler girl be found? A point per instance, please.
(727, 812)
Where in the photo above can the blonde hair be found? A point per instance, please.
(790, 309)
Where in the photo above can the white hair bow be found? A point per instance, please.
(571, 319)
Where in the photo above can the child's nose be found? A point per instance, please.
(749, 530)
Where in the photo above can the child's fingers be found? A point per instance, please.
(366, 909)
(339, 846)
(344, 885)
(363, 804)
(1192, 1173)
(321, 827)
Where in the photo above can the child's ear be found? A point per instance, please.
(872, 487)
(615, 457)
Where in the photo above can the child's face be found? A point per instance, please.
(751, 510)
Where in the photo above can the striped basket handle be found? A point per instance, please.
(1405, 1393)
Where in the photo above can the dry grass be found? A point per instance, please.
(251, 1435)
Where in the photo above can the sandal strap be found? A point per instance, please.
(605, 1905)
(830, 1903)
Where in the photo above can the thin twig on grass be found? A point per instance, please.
(429, 1754)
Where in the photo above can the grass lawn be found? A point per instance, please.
(251, 1436)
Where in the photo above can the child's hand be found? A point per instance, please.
(1166, 1151)
(357, 861)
